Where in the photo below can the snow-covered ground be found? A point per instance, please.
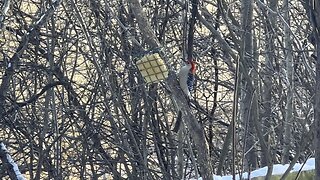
(278, 169)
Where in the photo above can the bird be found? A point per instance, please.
(186, 77)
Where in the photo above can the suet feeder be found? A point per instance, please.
(152, 68)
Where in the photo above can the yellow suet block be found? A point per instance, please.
(152, 68)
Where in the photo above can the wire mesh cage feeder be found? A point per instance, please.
(152, 68)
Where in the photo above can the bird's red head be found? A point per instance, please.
(193, 66)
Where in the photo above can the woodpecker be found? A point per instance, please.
(186, 77)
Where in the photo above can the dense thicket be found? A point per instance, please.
(73, 104)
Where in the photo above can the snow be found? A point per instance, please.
(10, 160)
(278, 169)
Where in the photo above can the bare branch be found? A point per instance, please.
(9, 164)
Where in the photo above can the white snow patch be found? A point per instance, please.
(278, 169)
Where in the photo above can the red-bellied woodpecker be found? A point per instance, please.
(186, 77)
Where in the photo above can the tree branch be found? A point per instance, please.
(4, 86)
(9, 165)
(34, 98)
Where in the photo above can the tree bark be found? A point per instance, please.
(248, 110)
(315, 20)
(289, 67)
(317, 115)
(267, 86)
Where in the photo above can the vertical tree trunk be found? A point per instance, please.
(267, 73)
(248, 111)
(314, 8)
(317, 92)
(289, 66)
(317, 113)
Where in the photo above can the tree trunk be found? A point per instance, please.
(314, 8)
(248, 110)
(289, 67)
(267, 73)
(317, 113)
